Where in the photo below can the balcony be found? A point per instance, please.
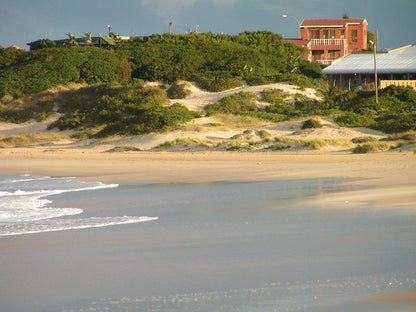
(329, 42)
(324, 62)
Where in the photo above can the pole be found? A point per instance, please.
(375, 70)
(170, 27)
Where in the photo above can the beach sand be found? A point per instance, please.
(392, 175)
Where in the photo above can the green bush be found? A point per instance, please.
(16, 115)
(396, 123)
(236, 103)
(363, 149)
(311, 123)
(351, 119)
(274, 96)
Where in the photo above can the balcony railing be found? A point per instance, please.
(325, 62)
(329, 42)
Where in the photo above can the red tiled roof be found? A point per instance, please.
(15, 47)
(301, 42)
(341, 22)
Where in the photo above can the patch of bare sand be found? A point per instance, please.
(200, 98)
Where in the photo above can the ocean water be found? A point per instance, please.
(222, 246)
(25, 207)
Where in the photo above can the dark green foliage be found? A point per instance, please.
(363, 149)
(395, 112)
(396, 123)
(120, 110)
(215, 62)
(310, 69)
(42, 44)
(16, 115)
(351, 119)
(278, 147)
(39, 70)
(311, 124)
(274, 96)
(216, 82)
(241, 102)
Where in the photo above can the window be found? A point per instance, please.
(353, 36)
(329, 34)
(342, 34)
(313, 34)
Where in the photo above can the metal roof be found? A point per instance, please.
(399, 61)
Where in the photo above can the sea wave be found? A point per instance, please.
(25, 206)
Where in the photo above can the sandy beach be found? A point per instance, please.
(391, 175)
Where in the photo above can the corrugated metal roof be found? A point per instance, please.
(401, 61)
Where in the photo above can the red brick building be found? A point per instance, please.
(330, 39)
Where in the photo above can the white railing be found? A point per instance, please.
(325, 62)
(326, 42)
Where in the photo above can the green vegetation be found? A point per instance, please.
(35, 71)
(30, 139)
(396, 111)
(113, 100)
(116, 109)
(215, 62)
(124, 148)
(311, 124)
(370, 148)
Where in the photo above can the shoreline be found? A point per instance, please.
(391, 175)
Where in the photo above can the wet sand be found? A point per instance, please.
(392, 175)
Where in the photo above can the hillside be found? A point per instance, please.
(215, 132)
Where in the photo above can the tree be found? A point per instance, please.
(370, 37)
(345, 16)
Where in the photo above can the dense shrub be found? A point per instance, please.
(16, 115)
(274, 96)
(121, 111)
(351, 119)
(236, 103)
(311, 123)
(216, 82)
(42, 69)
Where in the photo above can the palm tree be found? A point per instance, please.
(88, 37)
(72, 40)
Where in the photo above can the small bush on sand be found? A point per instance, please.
(365, 139)
(371, 148)
(278, 147)
(125, 148)
(311, 123)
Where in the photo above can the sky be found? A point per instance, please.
(23, 21)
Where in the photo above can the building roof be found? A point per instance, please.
(331, 22)
(105, 41)
(15, 47)
(399, 61)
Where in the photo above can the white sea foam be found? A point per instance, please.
(24, 208)
(72, 224)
